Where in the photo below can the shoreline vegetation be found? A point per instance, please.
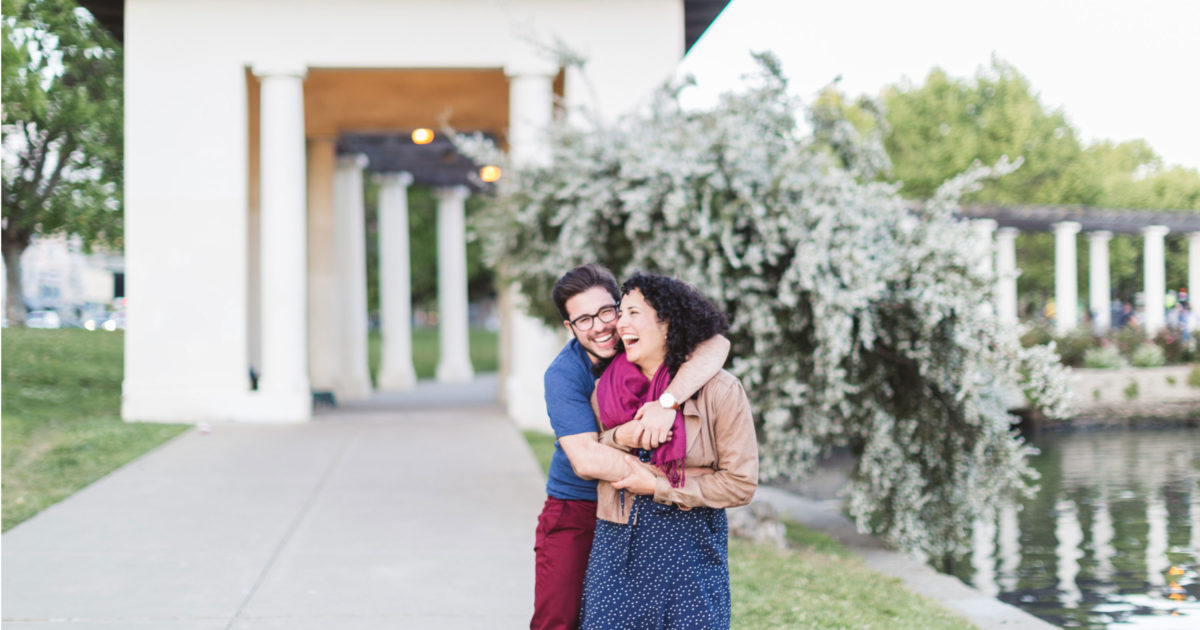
(813, 583)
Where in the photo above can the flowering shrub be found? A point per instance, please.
(1106, 356)
(1076, 346)
(1148, 355)
(856, 319)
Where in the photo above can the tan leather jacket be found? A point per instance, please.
(720, 435)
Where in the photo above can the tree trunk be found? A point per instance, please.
(14, 297)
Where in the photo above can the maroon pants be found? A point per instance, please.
(564, 540)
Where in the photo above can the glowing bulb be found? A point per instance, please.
(489, 173)
(422, 136)
(1175, 571)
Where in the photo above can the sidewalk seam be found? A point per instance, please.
(291, 531)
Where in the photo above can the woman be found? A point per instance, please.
(660, 555)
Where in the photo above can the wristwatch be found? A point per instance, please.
(668, 401)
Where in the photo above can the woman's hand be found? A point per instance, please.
(657, 422)
(640, 479)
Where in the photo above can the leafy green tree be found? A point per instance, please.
(939, 129)
(62, 124)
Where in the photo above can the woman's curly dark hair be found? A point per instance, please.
(691, 318)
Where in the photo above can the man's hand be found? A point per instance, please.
(657, 421)
(633, 435)
(640, 479)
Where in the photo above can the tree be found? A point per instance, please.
(62, 123)
(941, 127)
(855, 320)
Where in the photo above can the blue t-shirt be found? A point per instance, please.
(569, 384)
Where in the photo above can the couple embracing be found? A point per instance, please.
(655, 440)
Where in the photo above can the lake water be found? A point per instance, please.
(1112, 538)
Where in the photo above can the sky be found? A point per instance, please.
(1119, 69)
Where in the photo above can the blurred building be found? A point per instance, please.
(58, 275)
(249, 128)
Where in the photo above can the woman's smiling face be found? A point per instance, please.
(644, 334)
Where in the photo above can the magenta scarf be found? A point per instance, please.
(622, 390)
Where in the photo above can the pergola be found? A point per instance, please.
(248, 134)
(1099, 225)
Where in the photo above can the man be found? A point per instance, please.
(587, 298)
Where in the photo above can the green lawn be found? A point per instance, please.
(815, 583)
(62, 416)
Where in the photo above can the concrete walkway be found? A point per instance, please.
(368, 517)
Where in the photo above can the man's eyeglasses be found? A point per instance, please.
(585, 322)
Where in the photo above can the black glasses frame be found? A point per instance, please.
(607, 314)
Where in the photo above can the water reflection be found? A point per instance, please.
(1067, 552)
(1112, 539)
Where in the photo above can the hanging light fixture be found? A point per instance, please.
(422, 136)
(489, 173)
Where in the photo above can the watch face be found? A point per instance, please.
(668, 401)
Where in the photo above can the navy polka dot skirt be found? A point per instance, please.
(668, 568)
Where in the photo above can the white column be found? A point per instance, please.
(324, 311)
(1154, 276)
(1006, 274)
(532, 344)
(396, 371)
(530, 111)
(1066, 283)
(984, 230)
(1098, 281)
(985, 266)
(454, 361)
(1194, 277)
(350, 239)
(283, 292)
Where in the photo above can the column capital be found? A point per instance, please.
(278, 70)
(1007, 232)
(352, 160)
(1099, 235)
(452, 193)
(1155, 230)
(1193, 236)
(1069, 227)
(403, 179)
(985, 224)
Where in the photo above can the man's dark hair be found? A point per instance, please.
(581, 279)
(691, 318)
